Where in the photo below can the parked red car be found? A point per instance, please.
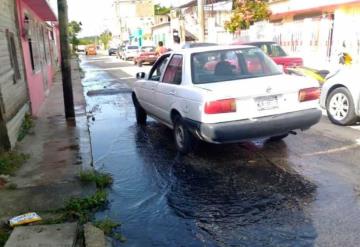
(147, 54)
(277, 53)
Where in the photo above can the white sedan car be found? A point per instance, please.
(224, 95)
(340, 96)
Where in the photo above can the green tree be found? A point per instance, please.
(85, 41)
(246, 12)
(105, 38)
(160, 10)
(74, 28)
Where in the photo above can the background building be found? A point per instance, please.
(40, 46)
(315, 30)
(135, 19)
(29, 58)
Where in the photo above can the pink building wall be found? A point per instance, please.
(35, 79)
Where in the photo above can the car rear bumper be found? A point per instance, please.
(236, 131)
(130, 55)
(147, 59)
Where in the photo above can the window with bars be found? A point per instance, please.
(13, 55)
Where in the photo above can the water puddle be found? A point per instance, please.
(226, 195)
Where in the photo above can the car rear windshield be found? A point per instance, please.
(133, 47)
(228, 65)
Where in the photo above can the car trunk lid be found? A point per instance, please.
(262, 96)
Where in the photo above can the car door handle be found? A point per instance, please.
(172, 92)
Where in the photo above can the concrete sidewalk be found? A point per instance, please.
(58, 151)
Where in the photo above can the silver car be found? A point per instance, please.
(340, 96)
(130, 52)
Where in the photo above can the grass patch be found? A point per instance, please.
(11, 161)
(108, 226)
(102, 180)
(4, 235)
(11, 186)
(26, 126)
(82, 208)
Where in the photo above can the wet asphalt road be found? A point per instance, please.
(303, 191)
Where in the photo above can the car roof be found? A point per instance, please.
(211, 48)
(198, 44)
(260, 42)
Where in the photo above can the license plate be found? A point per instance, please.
(152, 56)
(267, 103)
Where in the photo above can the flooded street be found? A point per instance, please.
(303, 191)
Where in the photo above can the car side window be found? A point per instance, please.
(265, 48)
(158, 68)
(173, 73)
(277, 51)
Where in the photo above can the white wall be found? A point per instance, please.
(164, 34)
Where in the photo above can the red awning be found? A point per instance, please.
(42, 9)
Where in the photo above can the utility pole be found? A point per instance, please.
(182, 31)
(65, 60)
(201, 20)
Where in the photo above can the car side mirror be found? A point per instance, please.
(140, 75)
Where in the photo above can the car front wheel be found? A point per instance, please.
(340, 107)
(183, 138)
(139, 112)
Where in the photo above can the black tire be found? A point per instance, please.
(184, 140)
(336, 116)
(277, 138)
(139, 112)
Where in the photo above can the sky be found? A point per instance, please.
(97, 15)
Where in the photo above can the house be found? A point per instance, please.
(322, 26)
(134, 20)
(39, 37)
(29, 58)
(315, 30)
(14, 102)
(216, 13)
(161, 30)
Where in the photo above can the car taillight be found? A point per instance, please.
(220, 106)
(308, 94)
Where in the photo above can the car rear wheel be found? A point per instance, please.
(139, 112)
(340, 107)
(183, 138)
